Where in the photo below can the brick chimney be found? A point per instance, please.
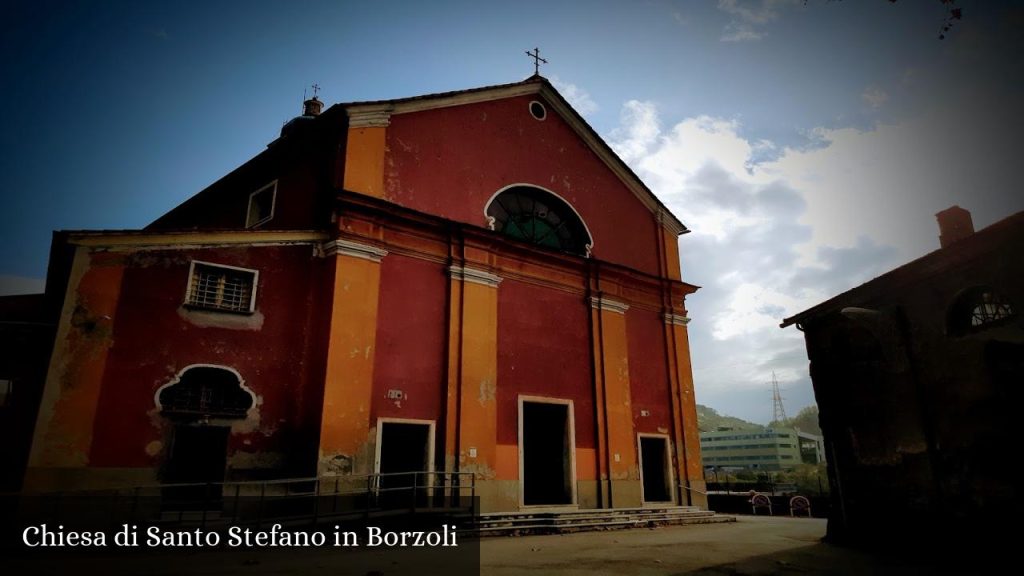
(954, 225)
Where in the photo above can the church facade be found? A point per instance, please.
(461, 282)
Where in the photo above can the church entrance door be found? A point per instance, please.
(405, 450)
(546, 453)
(655, 469)
(198, 456)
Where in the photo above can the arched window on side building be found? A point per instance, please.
(978, 308)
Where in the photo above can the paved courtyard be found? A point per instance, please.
(752, 545)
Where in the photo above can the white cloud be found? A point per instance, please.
(638, 130)
(739, 32)
(577, 97)
(749, 17)
(752, 11)
(874, 96)
(773, 238)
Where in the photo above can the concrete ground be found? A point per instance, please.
(752, 545)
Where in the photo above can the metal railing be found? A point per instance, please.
(294, 501)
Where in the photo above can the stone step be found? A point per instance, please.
(585, 518)
(610, 512)
(548, 522)
(522, 529)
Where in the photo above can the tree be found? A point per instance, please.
(806, 421)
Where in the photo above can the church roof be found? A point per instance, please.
(376, 113)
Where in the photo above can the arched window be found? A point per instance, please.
(977, 308)
(539, 217)
(206, 392)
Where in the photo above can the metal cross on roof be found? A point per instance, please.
(316, 88)
(536, 60)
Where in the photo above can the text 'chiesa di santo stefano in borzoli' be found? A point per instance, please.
(464, 282)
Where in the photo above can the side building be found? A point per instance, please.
(768, 449)
(918, 375)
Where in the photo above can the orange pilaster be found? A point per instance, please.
(690, 469)
(476, 364)
(612, 372)
(345, 423)
(364, 160)
(670, 242)
(64, 429)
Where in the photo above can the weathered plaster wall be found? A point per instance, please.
(411, 332)
(155, 337)
(648, 371)
(450, 161)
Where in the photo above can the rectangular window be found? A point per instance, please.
(6, 391)
(219, 287)
(261, 205)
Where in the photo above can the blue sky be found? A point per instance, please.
(808, 145)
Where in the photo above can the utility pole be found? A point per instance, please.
(779, 411)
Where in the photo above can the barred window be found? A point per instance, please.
(990, 308)
(206, 391)
(976, 309)
(218, 287)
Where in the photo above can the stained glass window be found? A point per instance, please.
(541, 218)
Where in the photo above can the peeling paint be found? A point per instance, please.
(488, 391)
(210, 319)
(243, 460)
(337, 464)
(482, 470)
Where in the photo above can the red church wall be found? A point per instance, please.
(543, 350)
(155, 338)
(411, 323)
(450, 161)
(648, 371)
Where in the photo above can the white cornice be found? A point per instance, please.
(369, 116)
(190, 239)
(460, 99)
(474, 275)
(354, 249)
(677, 319)
(603, 303)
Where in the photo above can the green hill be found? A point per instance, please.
(708, 420)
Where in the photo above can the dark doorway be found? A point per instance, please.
(198, 455)
(404, 453)
(547, 464)
(655, 469)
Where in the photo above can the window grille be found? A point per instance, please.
(221, 288)
(540, 218)
(206, 391)
(990, 309)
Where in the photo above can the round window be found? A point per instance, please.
(538, 111)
